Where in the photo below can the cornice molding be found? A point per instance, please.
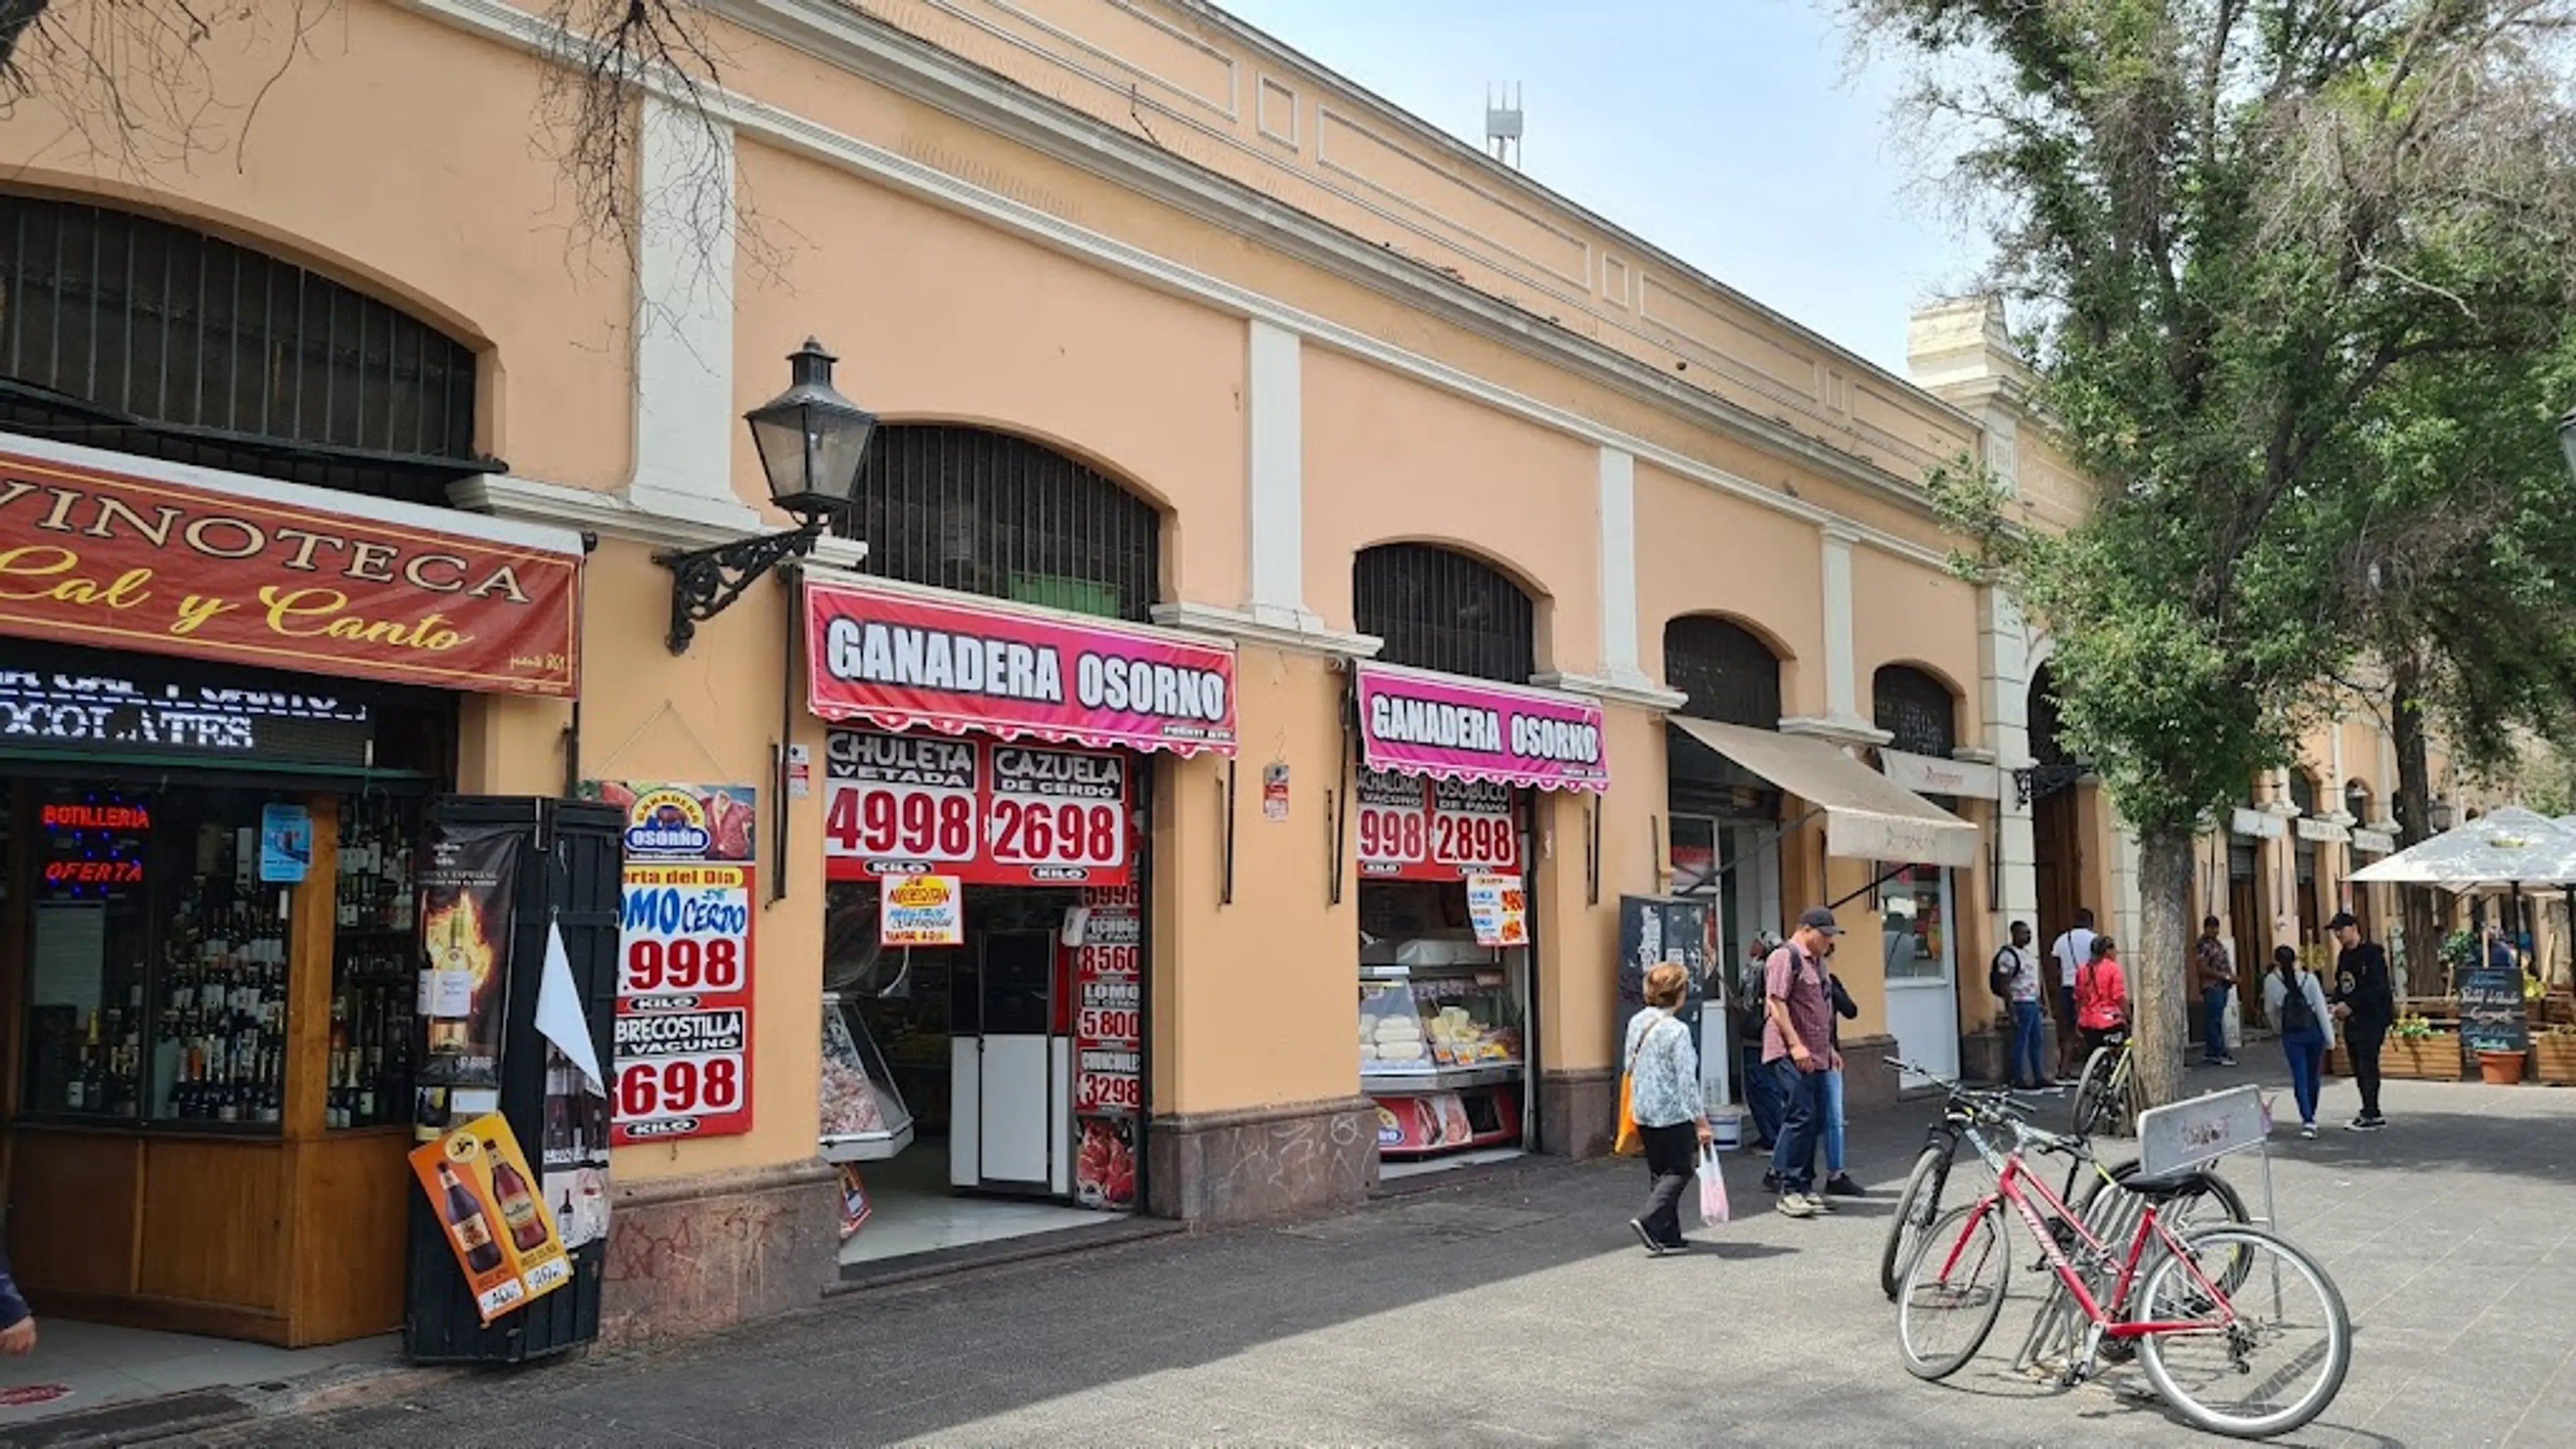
(608, 514)
(1620, 687)
(839, 35)
(1246, 628)
(1849, 731)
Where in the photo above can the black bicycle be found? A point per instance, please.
(2203, 1197)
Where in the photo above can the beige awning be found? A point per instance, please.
(1867, 816)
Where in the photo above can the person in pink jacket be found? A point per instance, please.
(2102, 994)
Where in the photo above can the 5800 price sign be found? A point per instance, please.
(683, 1056)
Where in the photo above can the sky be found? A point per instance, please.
(1737, 135)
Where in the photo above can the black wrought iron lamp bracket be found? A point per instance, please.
(706, 581)
(2038, 782)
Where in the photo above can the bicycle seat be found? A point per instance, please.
(2163, 1185)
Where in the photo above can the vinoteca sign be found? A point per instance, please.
(208, 566)
(1418, 723)
(899, 660)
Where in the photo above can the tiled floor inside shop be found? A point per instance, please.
(94, 1365)
(915, 1211)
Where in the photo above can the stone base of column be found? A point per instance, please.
(1261, 1163)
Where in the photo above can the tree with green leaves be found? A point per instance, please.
(2244, 224)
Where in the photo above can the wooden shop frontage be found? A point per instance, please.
(225, 702)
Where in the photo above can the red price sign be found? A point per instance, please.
(1066, 833)
(985, 812)
(1108, 1091)
(1473, 827)
(683, 1057)
(1394, 828)
(873, 821)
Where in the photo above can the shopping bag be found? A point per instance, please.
(1712, 1188)
(1629, 1142)
(2232, 1024)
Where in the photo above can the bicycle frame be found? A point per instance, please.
(2015, 1182)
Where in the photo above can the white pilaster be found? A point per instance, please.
(2003, 654)
(1842, 720)
(1275, 468)
(684, 402)
(1618, 529)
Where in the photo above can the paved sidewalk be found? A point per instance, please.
(1517, 1309)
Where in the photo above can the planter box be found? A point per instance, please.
(2339, 1060)
(2397, 1057)
(2554, 1059)
(2437, 1057)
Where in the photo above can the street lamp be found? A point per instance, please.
(811, 441)
(2443, 814)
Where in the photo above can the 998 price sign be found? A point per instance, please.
(683, 1056)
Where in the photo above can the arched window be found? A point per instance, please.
(2303, 791)
(988, 513)
(123, 331)
(1730, 675)
(1439, 609)
(2356, 802)
(1917, 708)
(2047, 744)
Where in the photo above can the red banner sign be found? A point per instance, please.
(174, 561)
(985, 812)
(1411, 828)
(899, 660)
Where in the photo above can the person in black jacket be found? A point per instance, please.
(2365, 1001)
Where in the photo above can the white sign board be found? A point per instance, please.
(2200, 1131)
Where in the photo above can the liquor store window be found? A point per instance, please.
(154, 963)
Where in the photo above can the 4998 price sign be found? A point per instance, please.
(683, 1057)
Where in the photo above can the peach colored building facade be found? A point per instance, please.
(1303, 328)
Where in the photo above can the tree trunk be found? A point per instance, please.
(2412, 804)
(2160, 988)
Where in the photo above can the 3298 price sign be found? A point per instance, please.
(682, 1063)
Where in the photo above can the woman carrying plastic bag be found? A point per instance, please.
(1713, 1210)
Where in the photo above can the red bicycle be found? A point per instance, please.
(2240, 1332)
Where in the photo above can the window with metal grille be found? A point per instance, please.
(1442, 610)
(1730, 675)
(988, 513)
(1916, 708)
(127, 332)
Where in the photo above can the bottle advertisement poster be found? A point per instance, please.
(480, 1190)
(467, 884)
(682, 1063)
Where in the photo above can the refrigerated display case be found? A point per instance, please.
(863, 1114)
(1441, 1047)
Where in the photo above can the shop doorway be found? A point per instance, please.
(2245, 921)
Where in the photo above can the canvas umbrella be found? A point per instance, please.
(2507, 847)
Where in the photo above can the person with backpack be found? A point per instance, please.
(2101, 995)
(2013, 977)
(2296, 1002)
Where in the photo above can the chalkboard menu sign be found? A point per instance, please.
(2492, 1017)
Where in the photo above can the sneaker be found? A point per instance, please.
(1797, 1205)
(2365, 1124)
(2227, 1061)
(1841, 1185)
(2308, 1130)
(1823, 1204)
(1647, 1238)
(1770, 1182)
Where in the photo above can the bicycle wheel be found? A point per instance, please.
(2208, 1201)
(1953, 1292)
(1916, 1206)
(2093, 1106)
(2275, 1349)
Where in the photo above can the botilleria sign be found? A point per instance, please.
(134, 554)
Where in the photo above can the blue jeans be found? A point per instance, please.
(2213, 1022)
(1801, 1124)
(2307, 1051)
(2028, 1020)
(1833, 1127)
(1761, 1095)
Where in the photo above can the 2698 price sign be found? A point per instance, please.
(683, 1055)
(986, 812)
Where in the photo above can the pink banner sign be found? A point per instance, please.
(1449, 728)
(902, 660)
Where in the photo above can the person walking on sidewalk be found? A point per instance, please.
(1761, 1094)
(2365, 1001)
(2296, 1003)
(2217, 970)
(2072, 948)
(1671, 1109)
(17, 1322)
(1796, 1049)
(2017, 967)
(1838, 1183)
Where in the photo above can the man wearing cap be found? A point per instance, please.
(2365, 1001)
(1796, 1048)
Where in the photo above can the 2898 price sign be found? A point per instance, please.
(683, 1056)
(1415, 829)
